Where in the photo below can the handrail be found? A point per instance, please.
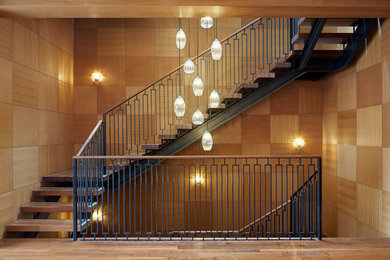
(178, 68)
(202, 157)
(91, 135)
(304, 184)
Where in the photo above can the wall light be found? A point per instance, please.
(97, 77)
(198, 179)
(299, 143)
(97, 216)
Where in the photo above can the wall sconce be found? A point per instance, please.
(299, 143)
(97, 216)
(97, 77)
(198, 179)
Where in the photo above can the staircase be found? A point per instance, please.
(145, 124)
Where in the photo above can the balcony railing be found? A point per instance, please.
(198, 197)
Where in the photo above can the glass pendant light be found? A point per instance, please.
(214, 99)
(197, 86)
(216, 50)
(206, 22)
(197, 117)
(180, 106)
(189, 66)
(207, 141)
(180, 39)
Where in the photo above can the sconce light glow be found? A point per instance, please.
(96, 77)
(198, 179)
(97, 216)
(299, 143)
(189, 66)
(206, 22)
(180, 39)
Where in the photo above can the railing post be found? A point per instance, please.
(74, 199)
(319, 198)
(104, 134)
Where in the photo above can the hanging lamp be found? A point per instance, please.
(180, 39)
(214, 99)
(216, 47)
(189, 66)
(180, 105)
(206, 22)
(197, 117)
(207, 141)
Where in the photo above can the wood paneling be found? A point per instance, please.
(24, 86)
(330, 159)
(261, 108)
(7, 210)
(284, 128)
(6, 170)
(369, 206)
(329, 128)
(310, 97)
(85, 99)
(82, 127)
(386, 80)
(386, 169)
(329, 95)
(230, 132)
(25, 166)
(109, 96)
(5, 81)
(139, 71)
(113, 71)
(5, 125)
(346, 197)
(346, 225)
(48, 58)
(255, 129)
(386, 212)
(86, 42)
(48, 92)
(65, 98)
(369, 166)
(369, 126)
(25, 126)
(310, 128)
(369, 86)
(286, 101)
(111, 42)
(372, 54)
(346, 92)
(6, 38)
(48, 127)
(347, 162)
(386, 125)
(25, 54)
(346, 127)
(141, 42)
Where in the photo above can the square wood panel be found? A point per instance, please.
(5, 125)
(386, 125)
(329, 94)
(48, 58)
(310, 128)
(346, 127)
(113, 70)
(82, 127)
(386, 169)
(347, 162)
(85, 42)
(386, 212)
(48, 127)
(229, 133)
(7, 209)
(261, 108)
(255, 129)
(5, 81)
(330, 159)
(24, 86)
(385, 41)
(256, 149)
(284, 128)
(371, 54)
(386, 80)
(6, 171)
(329, 128)
(65, 98)
(83, 69)
(48, 92)
(25, 126)
(111, 42)
(139, 71)
(26, 54)
(25, 166)
(6, 38)
(369, 126)
(166, 47)
(369, 86)
(346, 197)
(286, 100)
(369, 206)
(140, 42)
(310, 97)
(369, 166)
(109, 96)
(346, 92)
(85, 99)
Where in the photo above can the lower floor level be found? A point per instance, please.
(328, 248)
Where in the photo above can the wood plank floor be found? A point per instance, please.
(329, 248)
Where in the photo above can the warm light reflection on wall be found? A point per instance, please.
(198, 179)
(299, 143)
(97, 77)
(97, 216)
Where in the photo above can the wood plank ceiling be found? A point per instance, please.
(193, 8)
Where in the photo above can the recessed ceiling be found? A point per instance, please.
(193, 8)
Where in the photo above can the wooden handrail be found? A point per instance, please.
(89, 138)
(139, 157)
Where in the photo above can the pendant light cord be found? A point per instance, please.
(179, 59)
(197, 55)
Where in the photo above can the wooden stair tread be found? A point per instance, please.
(280, 66)
(65, 176)
(244, 88)
(220, 107)
(183, 126)
(325, 38)
(61, 191)
(151, 146)
(331, 22)
(264, 76)
(50, 207)
(316, 54)
(43, 225)
(231, 97)
(167, 137)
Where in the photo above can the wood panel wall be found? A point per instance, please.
(356, 148)
(36, 106)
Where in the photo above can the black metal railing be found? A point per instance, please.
(144, 116)
(198, 197)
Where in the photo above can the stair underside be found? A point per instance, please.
(325, 38)
(316, 55)
(51, 207)
(334, 22)
(44, 225)
(63, 191)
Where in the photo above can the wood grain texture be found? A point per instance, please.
(386, 212)
(111, 42)
(310, 97)
(386, 125)
(5, 81)
(85, 99)
(369, 86)
(285, 101)
(369, 126)
(48, 92)
(329, 94)
(386, 80)
(25, 86)
(284, 128)
(329, 128)
(346, 197)
(7, 209)
(346, 127)
(5, 125)
(347, 162)
(25, 166)
(6, 172)
(386, 169)
(25, 54)
(369, 205)
(65, 98)
(369, 166)
(25, 126)
(346, 92)
(6, 45)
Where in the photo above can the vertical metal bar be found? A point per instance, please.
(319, 202)
(74, 199)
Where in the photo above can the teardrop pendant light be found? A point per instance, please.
(197, 117)
(180, 107)
(197, 86)
(214, 99)
(180, 39)
(216, 50)
(207, 141)
(206, 22)
(189, 66)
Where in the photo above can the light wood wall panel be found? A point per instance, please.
(347, 162)
(369, 126)
(25, 166)
(25, 126)
(346, 92)
(5, 80)
(369, 206)
(5, 125)
(6, 45)
(24, 86)
(386, 169)
(25, 54)
(369, 86)
(6, 170)
(346, 127)
(386, 125)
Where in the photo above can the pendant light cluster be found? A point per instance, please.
(197, 85)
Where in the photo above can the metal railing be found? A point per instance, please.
(143, 117)
(198, 197)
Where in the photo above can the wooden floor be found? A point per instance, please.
(329, 248)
